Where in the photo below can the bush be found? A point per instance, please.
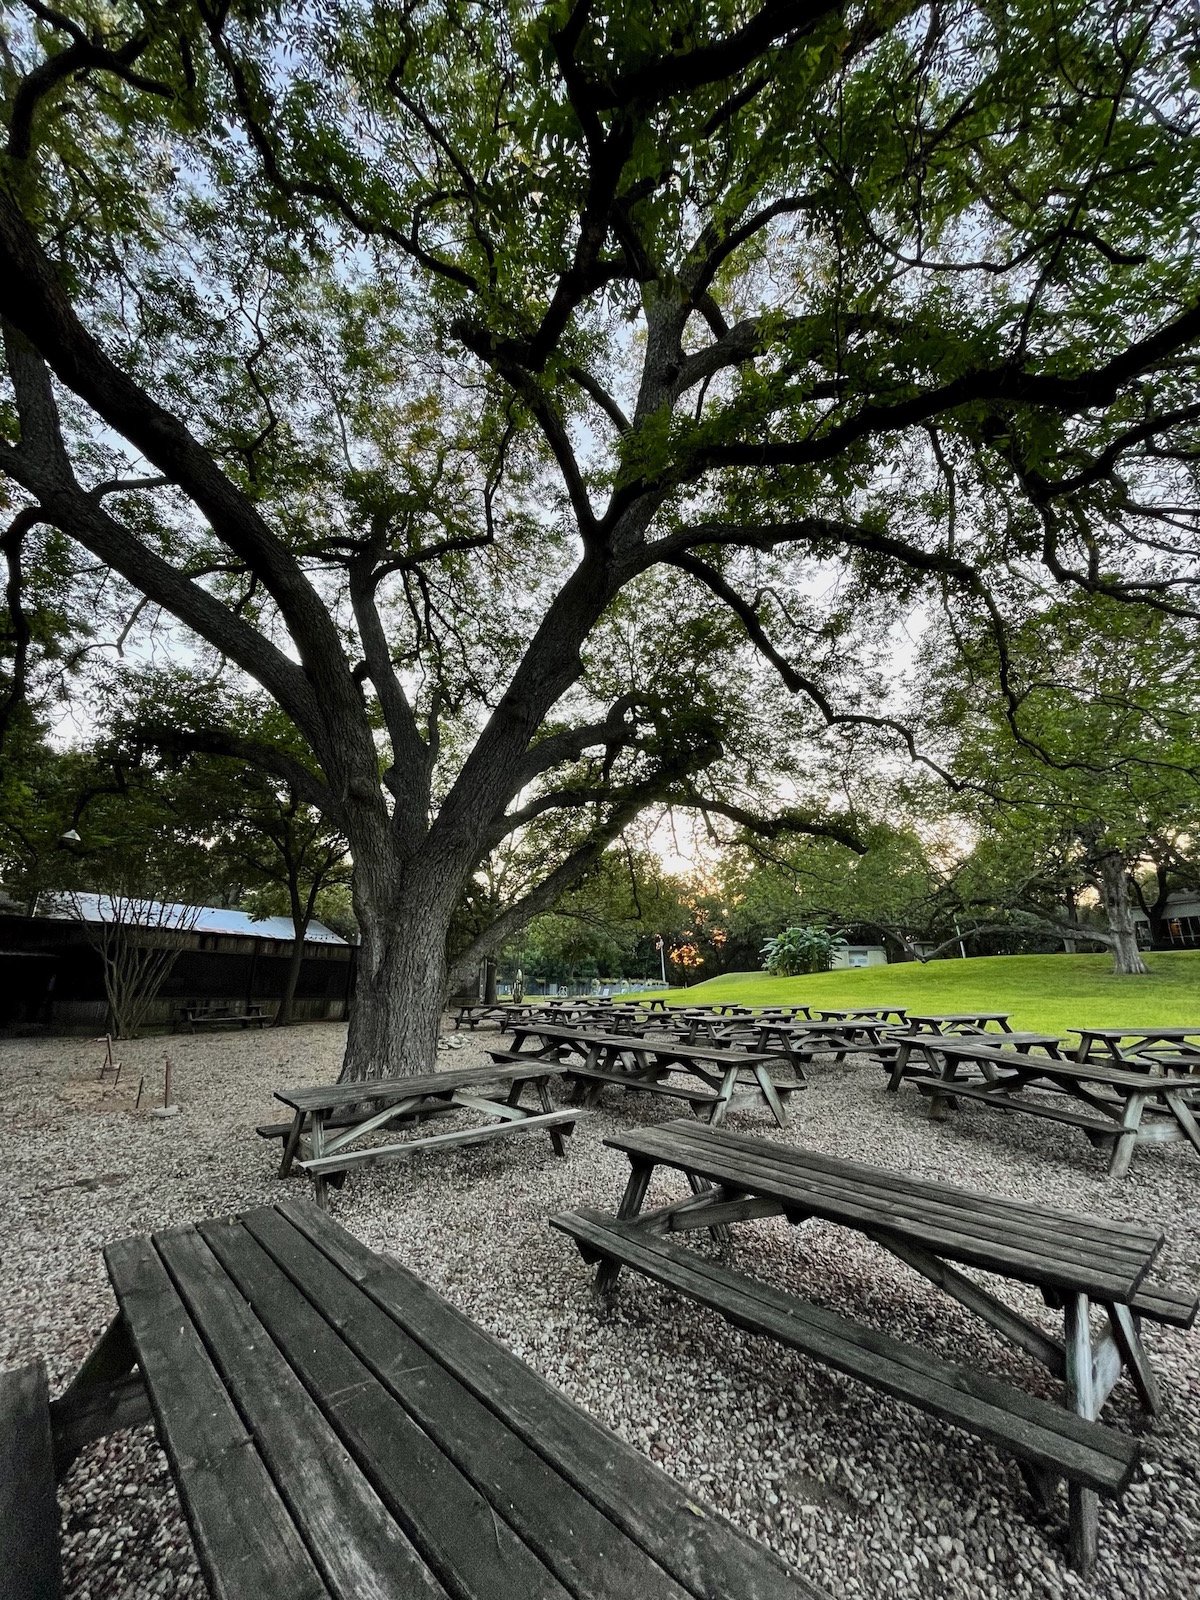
(809, 947)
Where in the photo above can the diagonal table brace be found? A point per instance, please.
(1035, 1341)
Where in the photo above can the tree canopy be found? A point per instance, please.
(558, 408)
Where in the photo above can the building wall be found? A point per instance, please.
(50, 974)
(860, 955)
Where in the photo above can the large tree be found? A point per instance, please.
(413, 357)
(1085, 767)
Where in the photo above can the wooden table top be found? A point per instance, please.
(1014, 1238)
(989, 1040)
(918, 1020)
(638, 1044)
(1123, 1079)
(329, 1096)
(1115, 1035)
(862, 1013)
(337, 1431)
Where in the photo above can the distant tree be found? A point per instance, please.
(1081, 764)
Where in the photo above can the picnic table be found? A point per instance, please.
(898, 1062)
(865, 1013)
(733, 1079)
(220, 1015)
(329, 1118)
(471, 1014)
(1136, 1045)
(798, 1041)
(337, 1431)
(1122, 1107)
(851, 1036)
(958, 1022)
(1077, 1262)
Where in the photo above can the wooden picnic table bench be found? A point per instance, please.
(501, 1012)
(357, 1110)
(893, 1014)
(1122, 1107)
(958, 1021)
(210, 1016)
(1075, 1261)
(823, 1036)
(897, 1060)
(732, 1079)
(1135, 1045)
(337, 1431)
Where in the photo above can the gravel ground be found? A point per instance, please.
(862, 1494)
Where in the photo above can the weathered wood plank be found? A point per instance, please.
(1161, 1303)
(246, 1541)
(417, 1400)
(356, 1543)
(332, 1096)
(345, 1159)
(30, 1563)
(897, 1186)
(690, 1541)
(936, 1089)
(1016, 1238)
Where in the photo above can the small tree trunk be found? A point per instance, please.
(401, 989)
(1118, 909)
(291, 982)
(1069, 944)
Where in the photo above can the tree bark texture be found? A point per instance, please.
(402, 975)
(1118, 909)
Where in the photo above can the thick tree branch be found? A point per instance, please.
(33, 301)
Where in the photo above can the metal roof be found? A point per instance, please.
(192, 919)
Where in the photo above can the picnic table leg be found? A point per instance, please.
(1127, 1334)
(771, 1095)
(1084, 1525)
(105, 1394)
(699, 1186)
(941, 1101)
(291, 1144)
(1122, 1150)
(317, 1141)
(899, 1066)
(631, 1203)
(1183, 1116)
(556, 1138)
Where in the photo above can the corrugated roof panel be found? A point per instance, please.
(196, 919)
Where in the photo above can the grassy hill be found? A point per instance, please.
(1044, 993)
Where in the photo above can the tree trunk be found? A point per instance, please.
(288, 999)
(1069, 945)
(1118, 909)
(401, 989)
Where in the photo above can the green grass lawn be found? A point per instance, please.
(1046, 994)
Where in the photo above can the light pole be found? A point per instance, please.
(660, 946)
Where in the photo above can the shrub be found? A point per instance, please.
(808, 947)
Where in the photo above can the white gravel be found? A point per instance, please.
(864, 1495)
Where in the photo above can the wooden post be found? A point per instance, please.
(631, 1203)
(1084, 1527)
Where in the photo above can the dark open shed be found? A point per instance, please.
(51, 973)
